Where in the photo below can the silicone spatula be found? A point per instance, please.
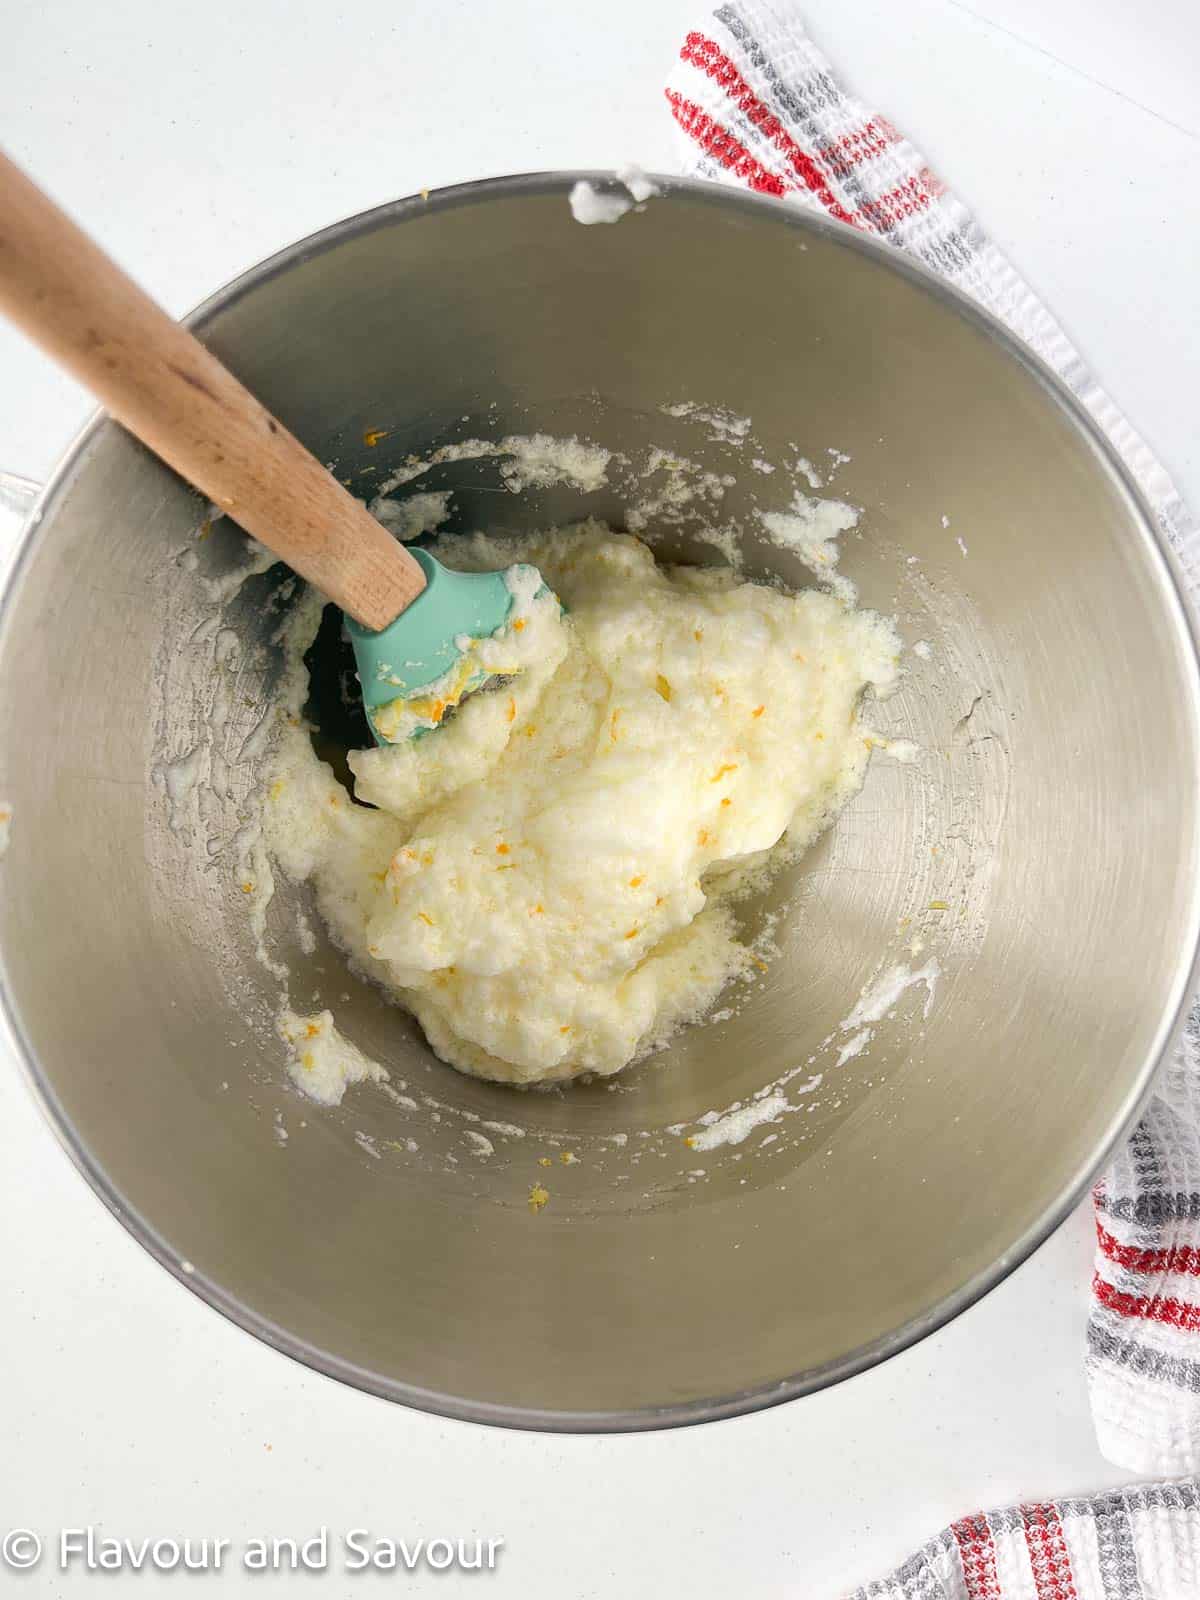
(410, 619)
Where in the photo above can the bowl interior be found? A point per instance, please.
(1041, 847)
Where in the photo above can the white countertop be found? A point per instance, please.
(196, 139)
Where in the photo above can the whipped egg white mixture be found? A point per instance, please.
(547, 879)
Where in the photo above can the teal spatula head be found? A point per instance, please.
(422, 665)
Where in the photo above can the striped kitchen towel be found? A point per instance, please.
(1131, 1544)
(758, 106)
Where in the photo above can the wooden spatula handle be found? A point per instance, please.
(165, 387)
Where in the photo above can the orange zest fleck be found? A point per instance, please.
(697, 634)
(312, 1030)
(729, 766)
(502, 849)
(566, 1028)
(612, 724)
(758, 711)
(538, 1197)
(373, 435)
(518, 624)
(636, 883)
(663, 687)
(247, 887)
(538, 910)
(511, 713)
(818, 735)
(427, 920)
(703, 837)
(727, 801)
(759, 963)
(633, 933)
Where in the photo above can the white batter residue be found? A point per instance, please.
(179, 778)
(719, 421)
(589, 205)
(412, 516)
(635, 180)
(811, 528)
(738, 1124)
(321, 1062)
(882, 996)
(854, 1047)
(877, 1001)
(527, 461)
(668, 484)
(258, 559)
(546, 880)
(902, 750)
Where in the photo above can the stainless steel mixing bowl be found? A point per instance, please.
(1042, 847)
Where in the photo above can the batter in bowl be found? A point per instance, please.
(547, 880)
